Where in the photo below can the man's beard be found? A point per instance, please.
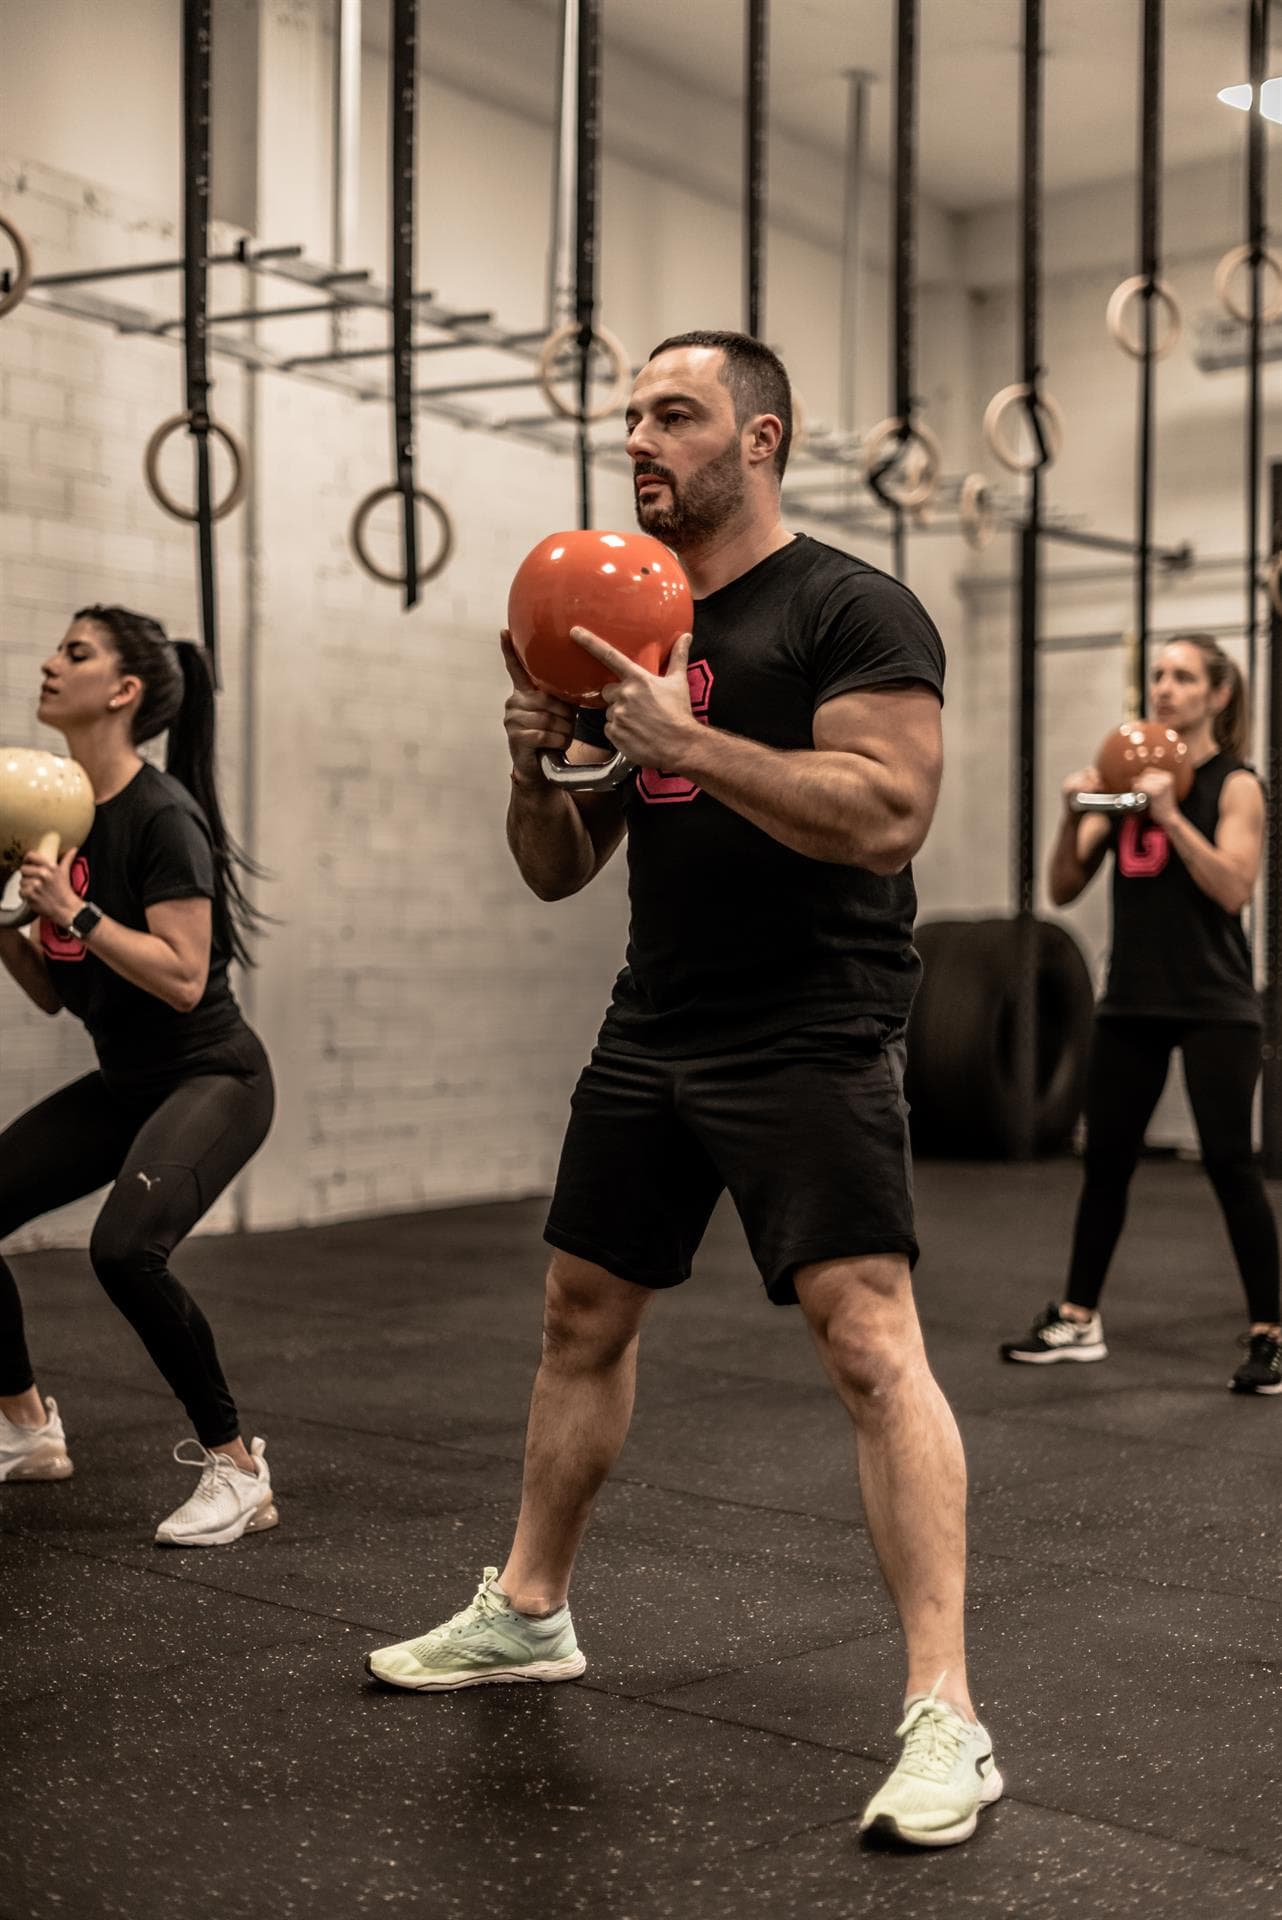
(711, 496)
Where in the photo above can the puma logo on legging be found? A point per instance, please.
(149, 1184)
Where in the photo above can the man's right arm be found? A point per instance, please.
(1080, 844)
(559, 840)
(23, 959)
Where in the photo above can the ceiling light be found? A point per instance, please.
(1270, 98)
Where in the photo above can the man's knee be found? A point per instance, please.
(590, 1316)
(862, 1315)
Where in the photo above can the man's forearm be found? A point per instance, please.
(838, 807)
(549, 842)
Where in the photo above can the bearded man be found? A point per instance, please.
(790, 762)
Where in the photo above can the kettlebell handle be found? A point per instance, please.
(48, 847)
(590, 779)
(1110, 802)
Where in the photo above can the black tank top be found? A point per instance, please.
(1177, 954)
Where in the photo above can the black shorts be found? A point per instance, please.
(808, 1131)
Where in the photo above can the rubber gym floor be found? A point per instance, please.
(192, 1734)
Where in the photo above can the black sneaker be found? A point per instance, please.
(1261, 1371)
(1055, 1338)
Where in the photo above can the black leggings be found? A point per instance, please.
(1128, 1067)
(171, 1152)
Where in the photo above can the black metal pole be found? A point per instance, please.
(587, 214)
(1271, 1105)
(757, 75)
(905, 205)
(197, 32)
(1257, 235)
(903, 327)
(903, 278)
(1150, 254)
(1023, 1137)
(403, 114)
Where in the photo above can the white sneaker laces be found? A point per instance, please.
(214, 1468)
(485, 1604)
(932, 1735)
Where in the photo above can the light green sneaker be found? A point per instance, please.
(945, 1775)
(485, 1643)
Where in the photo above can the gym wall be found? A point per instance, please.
(425, 1015)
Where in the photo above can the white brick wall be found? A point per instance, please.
(425, 1015)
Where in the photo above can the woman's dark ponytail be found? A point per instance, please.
(1232, 725)
(189, 756)
(178, 699)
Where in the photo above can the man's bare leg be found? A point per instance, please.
(912, 1472)
(580, 1411)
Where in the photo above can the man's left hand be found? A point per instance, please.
(648, 716)
(1160, 788)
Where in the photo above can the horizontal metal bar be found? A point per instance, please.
(255, 313)
(1087, 642)
(1174, 557)
(241, 258)
(384, 353)
(508, 385)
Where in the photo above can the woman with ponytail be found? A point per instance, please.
(135, 934)
(1180, 975)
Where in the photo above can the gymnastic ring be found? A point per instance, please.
(978, 514)
(876, 466)
(21, 273)
(1273, 581)
(1228, 266)
(1134, 289)
(997, 409)
(620, 371)
(438, 509)
(151, 470)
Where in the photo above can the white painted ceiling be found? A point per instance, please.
(968, 113)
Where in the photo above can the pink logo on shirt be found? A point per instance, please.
(1142, 851)
(54, 943)
(668, 789)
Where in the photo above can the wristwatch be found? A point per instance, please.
(84, 922)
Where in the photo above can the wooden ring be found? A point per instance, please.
(620, 372)
(151, 470)
(1000, 405)
(978, 514)
(1237, 257)
(436, 507)
(877, 463)
(22, 272)
(1138, 287)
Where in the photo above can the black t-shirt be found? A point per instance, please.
(734, 937)
(150, 842)
(1177, 954)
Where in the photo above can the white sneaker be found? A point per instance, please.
(945, 1777)
(1055, 1337)
(34, 1453)
(227, 1502)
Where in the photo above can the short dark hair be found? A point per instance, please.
(755, 376)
